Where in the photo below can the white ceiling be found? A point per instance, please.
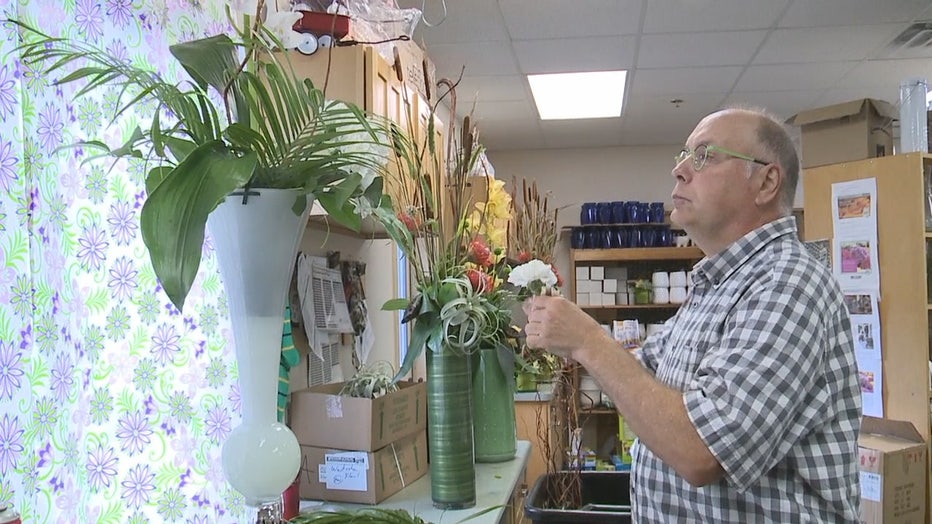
(785, 55)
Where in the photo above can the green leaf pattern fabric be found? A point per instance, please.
(113, 405)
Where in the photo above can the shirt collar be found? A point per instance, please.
(717, 268)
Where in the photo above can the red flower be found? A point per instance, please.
(480, 253)
(409, 221)
(524, 256)
(480, 282)
(556, 273)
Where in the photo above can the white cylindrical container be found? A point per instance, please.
(678, 279)
(660, 279)
(914, 132)
(661, 295)
(677, 295)
(590, 394)
(653, 329)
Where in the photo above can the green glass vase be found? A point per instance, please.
(493, 409)
(449, 430)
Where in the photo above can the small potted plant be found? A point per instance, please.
(642, 291)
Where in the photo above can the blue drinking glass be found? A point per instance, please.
(578, 238)
(605, 212)
(648, 237)
(664, 237)
(621, 236)
(619, 213)
(634, 237)
(593, 238)
(656, 213)
(636, 213)
(608, 238)
(588, 214)
(644, 211)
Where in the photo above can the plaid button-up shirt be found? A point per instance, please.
(763, 353)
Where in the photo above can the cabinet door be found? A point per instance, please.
(338, 71)
(531, 419)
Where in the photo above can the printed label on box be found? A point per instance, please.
(345, 471)
(871, 486)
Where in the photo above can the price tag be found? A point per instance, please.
(871, 486)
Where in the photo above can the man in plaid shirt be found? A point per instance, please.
(746, 404)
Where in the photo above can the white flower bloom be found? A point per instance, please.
(281, 25)
(533, 271)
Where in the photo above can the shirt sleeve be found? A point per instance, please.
(650, 352)
(756, 383)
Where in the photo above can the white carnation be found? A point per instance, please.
(533, 271)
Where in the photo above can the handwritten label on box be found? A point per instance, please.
(346, 471)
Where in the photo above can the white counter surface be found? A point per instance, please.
(494, 486)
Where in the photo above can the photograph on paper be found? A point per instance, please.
(867, 381)
(860, 304)
(865, 336)
(854, 206)
(856, 256)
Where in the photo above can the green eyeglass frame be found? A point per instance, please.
(701, 152)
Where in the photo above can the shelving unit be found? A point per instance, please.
(599, 423)
(905, 253)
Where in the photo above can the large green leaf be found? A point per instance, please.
(424, 325)
(213, 61)
(174, 216)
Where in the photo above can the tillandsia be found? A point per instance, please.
(243, 120)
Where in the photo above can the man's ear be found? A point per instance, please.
(771, 180)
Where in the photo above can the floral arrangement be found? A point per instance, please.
(431, 214)
(243, 121)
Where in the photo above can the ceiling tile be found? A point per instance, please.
(502, 135)
(886, 73)
(810, 13)
(492, 88)
(665, 16)
(698, 49)
(460, 23)
(566, 55)
(681, 81)
(486, 112)
(656, 117)
(529, 19)
(782, 104)
(823, 43)
(785, 77)
(480, 58)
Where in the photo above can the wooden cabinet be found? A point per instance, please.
(905, 258)
(599, 423)
(532, 419)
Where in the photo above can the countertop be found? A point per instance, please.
(495, 484)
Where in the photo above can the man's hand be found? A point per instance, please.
(559, 326)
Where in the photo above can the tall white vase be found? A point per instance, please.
(256, 245)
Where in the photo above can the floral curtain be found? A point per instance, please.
(113, 405)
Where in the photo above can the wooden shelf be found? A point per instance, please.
(636, 253)
(371, 229)
(638, 306)
(597, 411)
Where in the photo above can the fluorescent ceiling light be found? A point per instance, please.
(564, 96)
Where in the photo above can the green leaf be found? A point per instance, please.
(96, 302)
(213, 61)
(342, 213)
(156, 176)
(174, 217)
(395, 304)
(424, 325)
(112, 515)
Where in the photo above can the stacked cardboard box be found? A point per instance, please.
(356, 449)
(892, 458)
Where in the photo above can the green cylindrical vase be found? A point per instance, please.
(449, 430)
(493, 405)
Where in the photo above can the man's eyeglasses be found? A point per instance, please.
(701, 153)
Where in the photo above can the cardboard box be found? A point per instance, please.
(892, 463)
(336, 475)
(321, 417)
(844, 132)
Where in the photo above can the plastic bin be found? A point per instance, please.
(606, 497)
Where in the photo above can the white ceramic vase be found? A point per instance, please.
(256, 241)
